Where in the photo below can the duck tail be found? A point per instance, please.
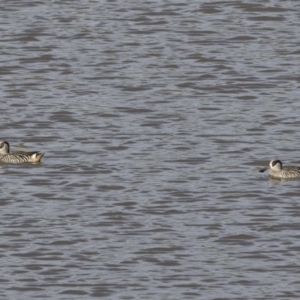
(36, 157)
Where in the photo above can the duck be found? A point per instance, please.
(18, 156)
(277, 171)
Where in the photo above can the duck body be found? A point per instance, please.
(277, 171)
(19, 156)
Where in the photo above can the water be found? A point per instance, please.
(155, 118)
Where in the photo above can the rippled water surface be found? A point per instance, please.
(155, 117)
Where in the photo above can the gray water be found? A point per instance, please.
(154, 118)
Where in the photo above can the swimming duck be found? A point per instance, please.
(19, 156)
(277, 171)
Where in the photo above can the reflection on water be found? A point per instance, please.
(155, 118)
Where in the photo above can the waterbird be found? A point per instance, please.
(277, 171)
(18, 156)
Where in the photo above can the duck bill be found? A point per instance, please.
(264, 169)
